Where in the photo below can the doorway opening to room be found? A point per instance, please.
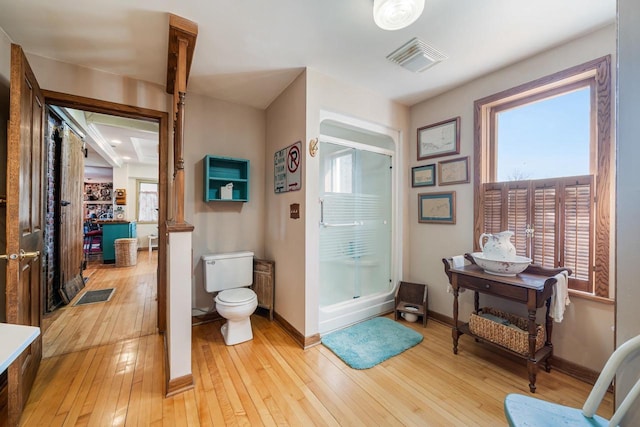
(122, 161)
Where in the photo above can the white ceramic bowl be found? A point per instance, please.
(501, 267)
(410, 317)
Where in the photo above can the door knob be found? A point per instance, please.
(64, 203)
(24, 254)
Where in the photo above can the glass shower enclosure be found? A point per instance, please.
(355, 223)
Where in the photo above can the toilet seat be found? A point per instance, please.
(233, 297)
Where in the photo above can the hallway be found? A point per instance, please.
(131, 312)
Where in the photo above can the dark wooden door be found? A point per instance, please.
(24, 222)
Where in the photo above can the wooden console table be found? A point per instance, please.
(533, 288)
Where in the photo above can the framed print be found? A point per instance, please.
(439, 139)
(439, 208)
(454, 171)
(423, 176)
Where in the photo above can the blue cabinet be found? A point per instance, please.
(112, 231)
(226, 179)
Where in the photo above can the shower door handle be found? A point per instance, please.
(346, 224)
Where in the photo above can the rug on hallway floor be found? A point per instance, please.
(92, 297)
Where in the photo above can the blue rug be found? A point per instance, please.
(366, 344)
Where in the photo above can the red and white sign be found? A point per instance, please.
(287, 168)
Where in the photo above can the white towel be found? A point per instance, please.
(456, 262)
(560, 297)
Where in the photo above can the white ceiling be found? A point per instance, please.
(248, 51)
(113, 141)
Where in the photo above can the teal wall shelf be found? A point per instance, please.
(221, 173)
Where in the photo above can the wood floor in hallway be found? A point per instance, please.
(117, 379)
(130, 313)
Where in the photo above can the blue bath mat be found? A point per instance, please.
(366, 344)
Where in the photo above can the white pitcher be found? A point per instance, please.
(498, 246)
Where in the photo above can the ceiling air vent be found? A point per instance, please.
(415, 55)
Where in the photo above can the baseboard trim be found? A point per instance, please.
(304, 342)
(176, 385)
(566, 367)
(205, 318)
(574, 370)
(179, 385)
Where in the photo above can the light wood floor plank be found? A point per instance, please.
(104, 365)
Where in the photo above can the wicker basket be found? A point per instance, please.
(126, 252)
(515, 339)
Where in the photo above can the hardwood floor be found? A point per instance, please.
(269, 380)
(130, 313)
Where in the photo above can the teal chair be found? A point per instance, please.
(522, 410)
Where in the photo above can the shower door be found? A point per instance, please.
(355, 223)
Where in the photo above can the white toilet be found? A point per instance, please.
(229, 274)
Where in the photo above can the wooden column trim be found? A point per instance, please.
(182, 39)
(180, 28)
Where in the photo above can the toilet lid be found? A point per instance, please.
(234, 296)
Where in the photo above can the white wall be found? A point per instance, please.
(230, 130)
(325, 94)
(293, 243)
(72, 79)
(585, 336)
(125, 177)
(284, 237)
(628, 201)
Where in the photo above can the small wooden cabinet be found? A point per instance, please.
(264, 277)
(220, 172)
(112, 230)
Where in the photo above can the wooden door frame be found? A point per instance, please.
(123, 110)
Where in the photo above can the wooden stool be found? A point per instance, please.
(412, 295)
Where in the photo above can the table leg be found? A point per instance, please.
(549, 328)
(532, 366)
(455, 333)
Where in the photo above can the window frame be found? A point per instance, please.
(597, 74)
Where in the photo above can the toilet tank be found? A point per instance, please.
(227, 270)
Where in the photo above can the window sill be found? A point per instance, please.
(591, 297)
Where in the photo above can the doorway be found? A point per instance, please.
(85, 216)
(161, 118)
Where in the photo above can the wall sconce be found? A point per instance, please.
(396, 14)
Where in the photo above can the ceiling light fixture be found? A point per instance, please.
(396, 14)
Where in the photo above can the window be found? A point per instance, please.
(338, 176)
(147, 201)
(542, 168)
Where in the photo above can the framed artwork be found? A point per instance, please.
(439, 139)
(438, 208)
(423, 176)
(454, 171)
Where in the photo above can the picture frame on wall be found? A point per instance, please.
(455, 171)
(439, 139)
(423, 176)
(437, 208)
